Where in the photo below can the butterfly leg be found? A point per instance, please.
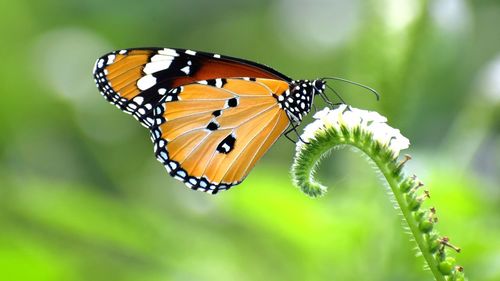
(294, 129)
(325, 98)
(288, 137)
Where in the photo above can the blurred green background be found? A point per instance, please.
(82, 197)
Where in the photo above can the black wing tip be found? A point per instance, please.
(207, 55)
(103, 84)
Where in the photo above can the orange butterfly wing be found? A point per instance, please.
(210, 134)
(136, 79)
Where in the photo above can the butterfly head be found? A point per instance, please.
(319, 85)
(297, 100)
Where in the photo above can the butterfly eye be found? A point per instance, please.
(319, 85)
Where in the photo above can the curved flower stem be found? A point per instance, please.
(351, 127)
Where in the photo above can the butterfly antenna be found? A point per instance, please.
(354, 83)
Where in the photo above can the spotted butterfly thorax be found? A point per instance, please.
(211, 117)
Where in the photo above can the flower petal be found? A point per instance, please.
(368, 121)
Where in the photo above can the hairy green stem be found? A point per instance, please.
(410, 220)
(407, 191)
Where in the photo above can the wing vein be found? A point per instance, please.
(229, 128)
(194, 148)
(244, 97)
(248, 143)
(262, 144)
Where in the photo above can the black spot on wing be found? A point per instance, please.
(226, 145)
(232, 102)
(216, 113)
(212, 126)
(218, 82)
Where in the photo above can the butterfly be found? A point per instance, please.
(211, 117)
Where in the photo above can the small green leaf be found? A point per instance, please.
(426, 226)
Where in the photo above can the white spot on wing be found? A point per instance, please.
(172, 165)
(168, 169)
(111, 59)
(138, 100)
(100, 63)
(163, 155)
(168, 52)
(190, 52)
(185, 69)
(218, 83)
(162, 58)
(156, 66)
(146, 82)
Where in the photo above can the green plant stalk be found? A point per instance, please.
(410, 220)
(405, 190)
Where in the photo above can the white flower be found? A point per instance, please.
(349, 117)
